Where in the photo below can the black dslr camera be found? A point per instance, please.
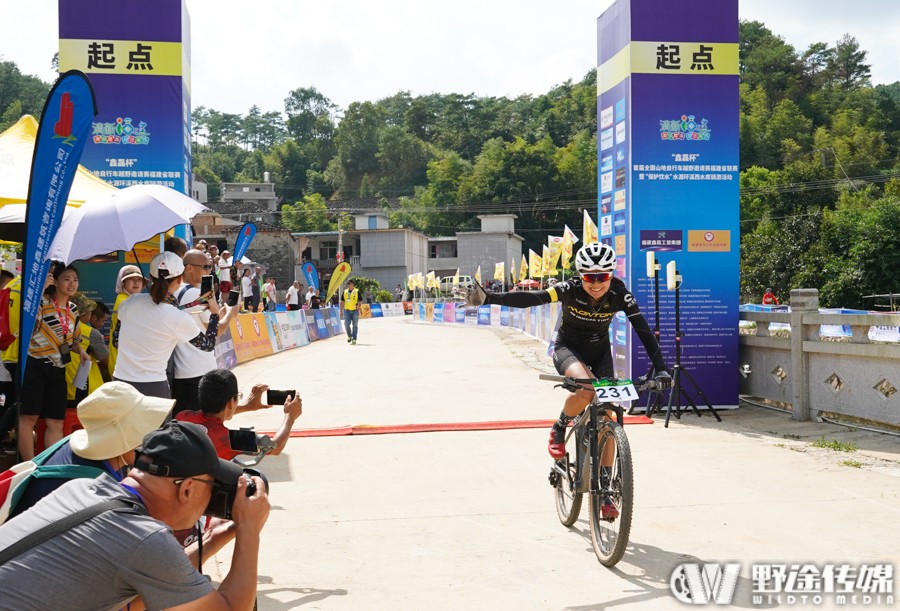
(223, 495)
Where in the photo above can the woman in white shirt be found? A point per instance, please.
(151, 325)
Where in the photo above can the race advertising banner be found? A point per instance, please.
(242, 243)
(668, 177)
(250, 335)
(137, 57)
(61, 136)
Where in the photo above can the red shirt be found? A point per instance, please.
(216, 430)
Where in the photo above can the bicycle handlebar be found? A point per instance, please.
(573, 384)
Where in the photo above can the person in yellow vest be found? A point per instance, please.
(94, 380)
(130, 281)
(351, 311)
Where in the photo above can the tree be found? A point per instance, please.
(310, 115)
(357, 140)
(309, 214)
(846, 66)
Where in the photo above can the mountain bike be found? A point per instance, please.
(580, 470)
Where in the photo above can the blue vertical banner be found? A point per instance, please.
(65, 125)
(137, 56)
(311, 274)
(242, 243)
(668, 174)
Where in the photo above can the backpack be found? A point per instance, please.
(15, 480)
(6, 335)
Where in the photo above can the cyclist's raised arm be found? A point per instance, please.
(514, 299)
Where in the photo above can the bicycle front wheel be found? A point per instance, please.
(611, 525)
(568, 498)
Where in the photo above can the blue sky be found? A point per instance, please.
(248, 53)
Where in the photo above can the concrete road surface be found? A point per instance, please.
(465, 520)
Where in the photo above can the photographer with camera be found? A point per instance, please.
(106, 560)
(219, 396)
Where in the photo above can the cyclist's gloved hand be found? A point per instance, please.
(476, 295)
(663, 379)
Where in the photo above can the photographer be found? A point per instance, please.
(107, 560)
(218, 392)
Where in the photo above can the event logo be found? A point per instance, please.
(700, 240)
(123, 131)
(256, 327)
(240, 331)
(695, 584)
(63, 127)
(686, 128)
(668, 240)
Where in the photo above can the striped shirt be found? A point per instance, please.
(50, 332)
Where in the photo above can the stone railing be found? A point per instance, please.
(858, 378)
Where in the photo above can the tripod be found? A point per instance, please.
(680, 373)
(654, 397)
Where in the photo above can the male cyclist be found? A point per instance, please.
(582, 348)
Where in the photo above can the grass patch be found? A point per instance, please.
(833, 444)
(852, 463)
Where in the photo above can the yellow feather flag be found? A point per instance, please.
(512, 270)
(430, 281)
(478, 275)
(589, 233)
(569, 241)
(545, 261)
(411, 282)
(456, 278)
(523, 269)
(341, 272)
(420, 281)
(499, 271)
(556, 248)
(535, 266)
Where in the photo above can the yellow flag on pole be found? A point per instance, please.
(456, 278)
(589, 233)
(410, 282)
(556, 248)
(535, 265)
(337, 278)
(478, 275)
(420, 281)
(569, 241)
(512, 270)
(500, 271)
(430, 281)
(523, 269)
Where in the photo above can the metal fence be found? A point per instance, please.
(856, 378)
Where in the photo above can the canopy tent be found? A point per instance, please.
(16, 151)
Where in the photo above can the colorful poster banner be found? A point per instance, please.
(226, 358)
(62, 134)
(668, 172)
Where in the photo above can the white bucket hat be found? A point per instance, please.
(115, 418)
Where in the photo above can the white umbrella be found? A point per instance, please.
(120, 220)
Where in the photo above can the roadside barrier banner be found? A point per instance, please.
(251, 337)
(225, 355)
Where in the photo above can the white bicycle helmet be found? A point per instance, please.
(594, 258)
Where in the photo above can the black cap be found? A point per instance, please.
(183, 449)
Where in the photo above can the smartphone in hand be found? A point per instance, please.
(279, 397)
(206, 285)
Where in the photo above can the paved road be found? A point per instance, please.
(465, 520)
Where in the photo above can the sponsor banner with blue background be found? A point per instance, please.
(62, 133)
(669, 109)
(242, 242)
(311, 274)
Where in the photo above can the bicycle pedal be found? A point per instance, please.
(554, 478)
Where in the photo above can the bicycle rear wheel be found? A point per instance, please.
(568, 499)
(610, 536)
